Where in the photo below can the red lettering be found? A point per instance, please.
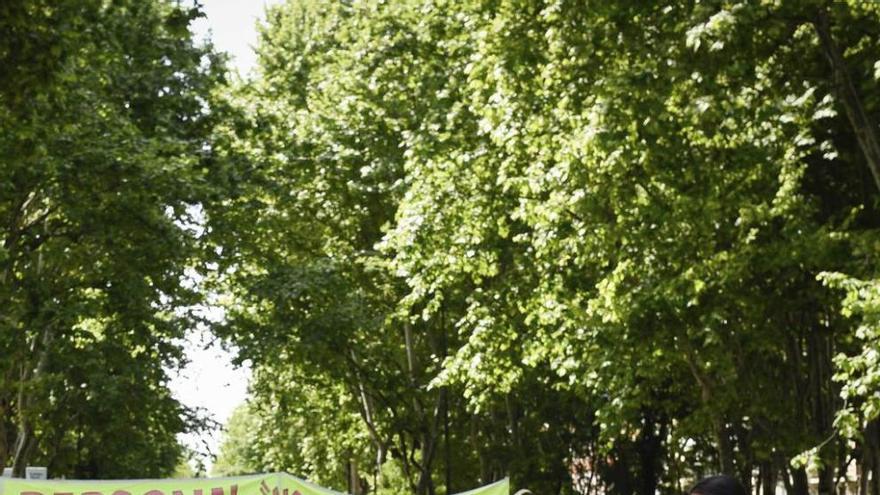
(197, 492)
(233, 490)
(154, 492)
(177, 492)
(121, 492)
(216, 491)
(33, 493)
(91, 493)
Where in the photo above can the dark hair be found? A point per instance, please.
(718, 485)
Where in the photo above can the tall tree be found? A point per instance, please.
(107, 120)
(454, 215)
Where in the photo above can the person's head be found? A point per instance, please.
(718, 485)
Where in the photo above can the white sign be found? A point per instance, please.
(36, 473)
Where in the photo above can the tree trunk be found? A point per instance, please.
(745, 466)
(863, 471)
(381, 452)
(800, 484)
(768, 478)
(426, 481)
(24, 447)
(874, 459)
(366, 410)
(722, 441)
(719, 425)
(355, 484)
(869, 454)
(447, 452)
(475, 445)
(405, 464)
(25, 441)
(650, 447)
(821, 364)
(826, 480)
(786, 479)
(4, 446)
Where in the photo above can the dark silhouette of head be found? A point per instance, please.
(718, 485)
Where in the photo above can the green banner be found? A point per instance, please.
(258, 484)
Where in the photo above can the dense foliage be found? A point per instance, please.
(105, 120)
(595, 246)
(605, 246)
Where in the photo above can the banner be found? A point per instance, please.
(501, 487)
(258, 484)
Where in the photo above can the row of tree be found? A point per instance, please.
(105, 126)
(597, 246)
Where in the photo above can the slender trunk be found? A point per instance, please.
(760, 484)
(381, 452)
(405, 464)
(875, 460)
(800, 485)
(4, 446)
(430, 425)
(864, 129)
(430, 438)
(24, 447)
(475, 445)
(447, 450)
(820, 351)
(826, 480)
(21, 436)
(746, 464)
(650, 446)
(25, 441)
(862, 471)
(366, 410)
(869, 456)
(354, 480)
(786, 479)
(425, 482)
(722, 441)
(768, 478)
(719, 425)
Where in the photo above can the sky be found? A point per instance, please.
(231, 25)
(210, 381)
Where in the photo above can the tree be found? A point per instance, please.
(547, 238)
(107, 122)
(238, 450)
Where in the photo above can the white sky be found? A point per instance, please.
(232, 26)
(210, 381)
